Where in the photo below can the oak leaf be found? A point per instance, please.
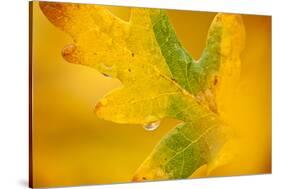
(160, 78)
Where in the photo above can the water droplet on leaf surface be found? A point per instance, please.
(151, 126)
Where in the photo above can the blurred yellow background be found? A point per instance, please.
(71, 146)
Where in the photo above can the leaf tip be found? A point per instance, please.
(100, 107)
(55, 12)
(71, 54)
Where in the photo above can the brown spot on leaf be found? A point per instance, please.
(216, 80)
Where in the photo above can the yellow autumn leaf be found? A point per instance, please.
(160, 79)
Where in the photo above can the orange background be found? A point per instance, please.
(71, 146)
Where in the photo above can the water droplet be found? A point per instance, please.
(151, 126)
(107, 70)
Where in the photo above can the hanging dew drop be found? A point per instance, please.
(151, 126)
(107, 70)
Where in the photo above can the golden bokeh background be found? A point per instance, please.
(71, 146)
